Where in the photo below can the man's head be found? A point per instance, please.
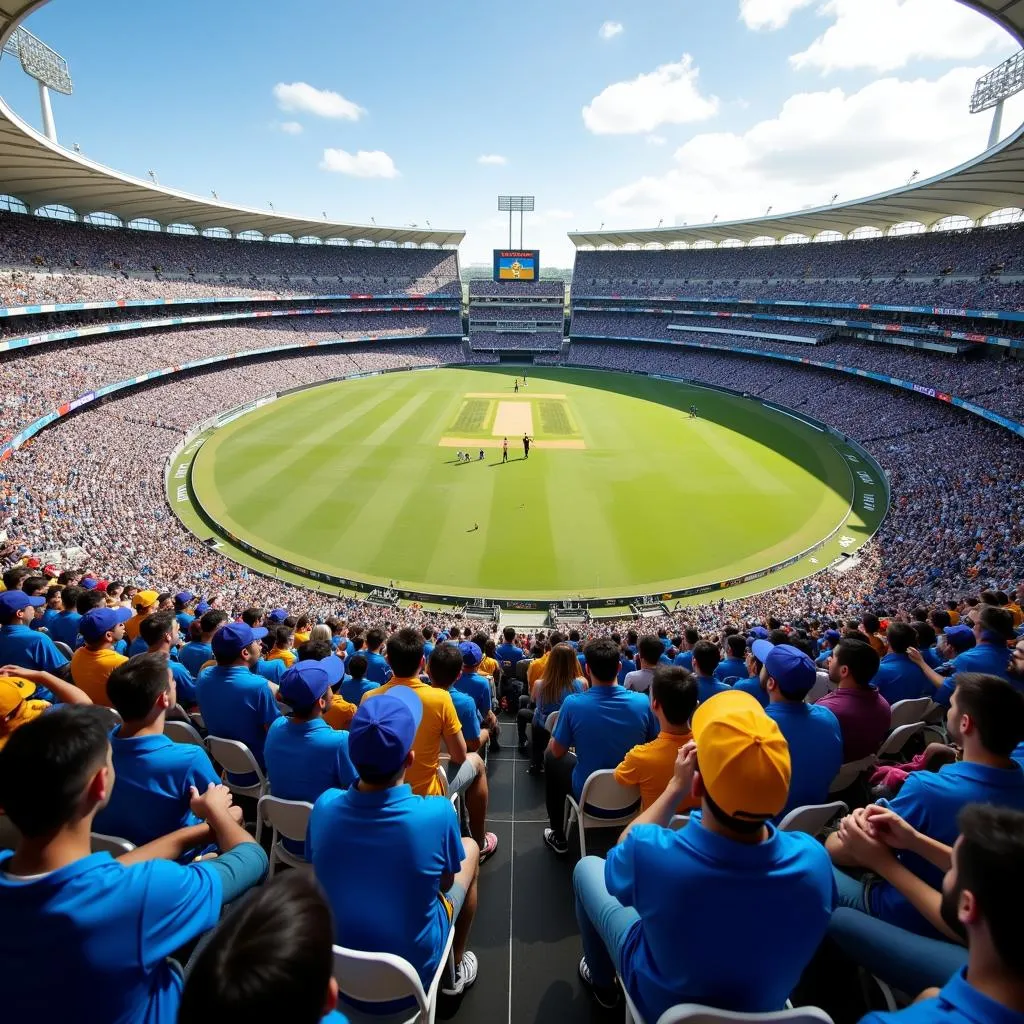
(159, 631)
(253, 617)
(17, 608)
(743, 762)
(706, 657)
(444, 665)
(853, 660)
(142, 688)
(602, 661)
(509, 633)
(381, 736)
(87, 600)
(103, 627)
(405, 651)
(690, 636)
(317, 650)
(736, 646)
(869, 623)
(356, 666)
(674, 695)
(211, 621)
(237, 644)
(789, 674)
(471, 655)
(900, 636)
(145, 602)
(35, 586)
(306, 686)
(374, 639)
(269, 959)
(985, 714)
(650, 650)
(993, 625)
(982, 898)
(56, 770)
(940, 619)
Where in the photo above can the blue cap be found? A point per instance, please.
(13, 601)
(790, 668)
(202, 608)
(383, 730)
(961, 637)
(304, 684)
(278, 615)
(833, 636)
(98, 621)
(233, 637)
(184, 596)
(758, 633)
(89, 583)
(332, 665)
(471, 653)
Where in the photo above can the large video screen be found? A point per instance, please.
(516, 264)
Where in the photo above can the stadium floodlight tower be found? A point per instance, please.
(992, 90)
(516, 204)
(46, 66)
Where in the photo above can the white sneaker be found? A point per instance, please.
(465, 974)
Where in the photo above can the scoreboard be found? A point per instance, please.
(516, 265)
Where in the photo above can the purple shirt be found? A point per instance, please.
(864, 716)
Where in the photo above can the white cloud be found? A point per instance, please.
(492, 159)
(820, 143)
(611, 29)
(300, 96)
(769, 14)
(656, 140)
(887, 34)
(373, 164)
(667, 95)
(290, 127)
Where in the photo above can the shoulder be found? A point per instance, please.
(375, 692)
(331, 801)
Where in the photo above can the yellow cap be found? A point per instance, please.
(145, 599)
(13, 690)
(743, 756)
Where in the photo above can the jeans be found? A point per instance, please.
(852, 892)
(603, 921)
(557, 786)
(908, 962)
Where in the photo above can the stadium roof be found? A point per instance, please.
(41, 173)
(992, 181)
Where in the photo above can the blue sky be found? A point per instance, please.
(625, 114)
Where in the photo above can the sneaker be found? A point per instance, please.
(490, 846)
(465, 974)
(556, 842)
(608, 998)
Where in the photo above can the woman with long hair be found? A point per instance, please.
(562, 676)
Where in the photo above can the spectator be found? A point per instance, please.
(159, 632)
(19, 703)
(282, 638)
(155, 776)
(377, 668)
(601, 724)
(898, 678)
(986, 719)
(649, 766)
(472, 682)
(114, 922)
(561, 678)
(144, 602)
(22, 645)
(444, 667)
(735, 665)
(812, 732)
(184, 610)
(706, 657)
(754, 684)
(270, 958)
(196, 653)
(92, 664)
(628, 907)
(863, 713)
(339, 711)
(424, 873)
(509, 653)
(685, 657)
(355, 684)
(649, 651)
(63, 628)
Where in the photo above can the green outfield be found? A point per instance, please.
(623, 493)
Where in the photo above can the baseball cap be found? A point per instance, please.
(742, 754)
(233, 637)
(202, 608)
(305, 683)
(145, 599)
(833, 636)
(32, 563)
(278, 615)
(13, 601)
(471, 653)
(13, 690)
(383, 729)
(100, 620)
(184, 596)
(758, 633)
(961, 637)
(89, 583)
(790, 668)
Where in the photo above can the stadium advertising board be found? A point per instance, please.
(516, 265)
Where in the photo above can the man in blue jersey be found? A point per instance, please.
(898, 678)
(377, 669)
(735, 665)
(22, 645)
(685, 657)
(160, 634)
(706, 658)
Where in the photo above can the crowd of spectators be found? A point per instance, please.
(517, 289)
(488, 314)
(516, 340)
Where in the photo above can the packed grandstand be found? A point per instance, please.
(892, 682)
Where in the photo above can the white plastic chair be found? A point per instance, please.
(906, 712)
(288, 818)
(691, 1013)
(899, 738)
(64, 649)
(850, 772)
(551, 721)
(113, 845)
(235, 757)
(183, 732)
(812, 818)
(603, 792)
(383, 977)
(678, 821)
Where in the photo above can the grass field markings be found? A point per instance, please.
(746, 465)
(510, 395)
(554, 418)
(472, 417)
(397, 419)
(514, 443)
(513, 419)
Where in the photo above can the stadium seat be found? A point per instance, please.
(551, 721)
(288, 818)
(64, 649)
(384, 978)
(812, 818)
(691, 1013)
(183, 732)
(899, 738)
(850, 772)
(521, 669)
(679, 821)
(113, 845)
(234, 756)
(906, 712)
(601, 792)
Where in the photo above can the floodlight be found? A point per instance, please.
(516, 204)
(993, 89)
(39, 61)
